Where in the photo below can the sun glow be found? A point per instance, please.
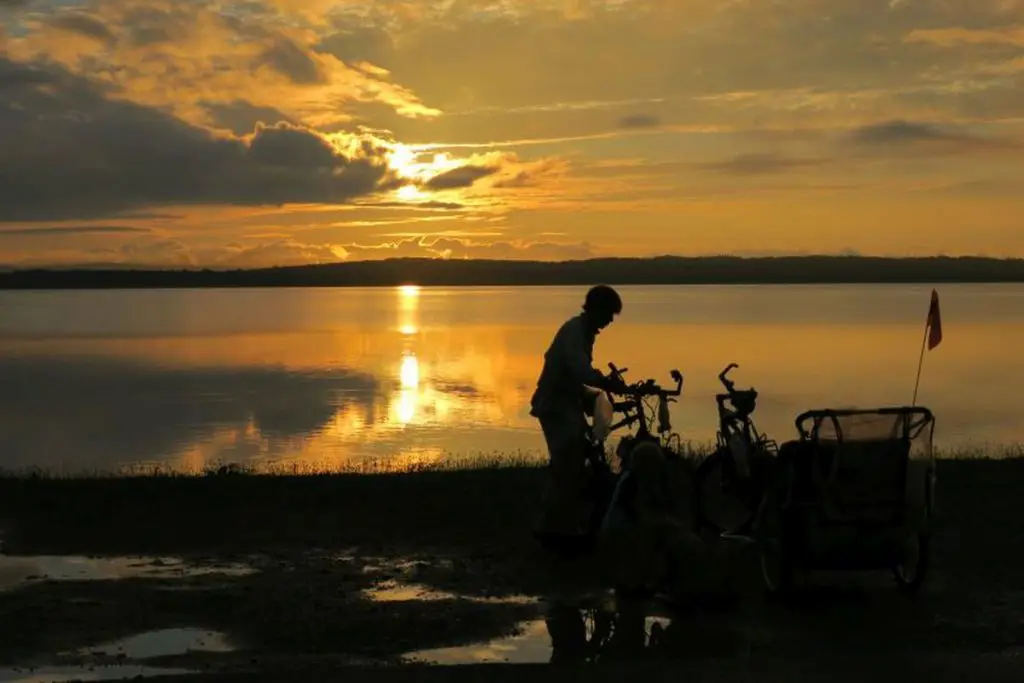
(404, 161)
(409, 372)
(410, 193)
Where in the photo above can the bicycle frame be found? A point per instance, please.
(736, 429)
(634, 408)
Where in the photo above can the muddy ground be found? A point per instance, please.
(353, 576)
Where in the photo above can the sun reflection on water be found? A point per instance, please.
(409, 374)
(408, 394)
(408, 309)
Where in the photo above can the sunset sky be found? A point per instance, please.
(274, 132)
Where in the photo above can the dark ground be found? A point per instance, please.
(318, 541)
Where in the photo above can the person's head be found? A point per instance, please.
(602, 305)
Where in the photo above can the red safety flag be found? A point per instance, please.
(934, 322)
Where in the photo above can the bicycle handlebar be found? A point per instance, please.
(648, 387)
(730, 386)
(743, 400)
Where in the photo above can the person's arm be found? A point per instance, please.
(574, 353)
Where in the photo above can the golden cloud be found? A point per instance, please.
(189, 58)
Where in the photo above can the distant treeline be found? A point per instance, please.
(621, 271)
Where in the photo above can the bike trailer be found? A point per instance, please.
(868, 485)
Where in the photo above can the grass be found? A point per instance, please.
(692, 451)
(226, 508)
(478, 503)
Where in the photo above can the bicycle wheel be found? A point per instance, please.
(910, 571)
(721, 503)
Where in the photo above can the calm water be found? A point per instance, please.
(188, 378)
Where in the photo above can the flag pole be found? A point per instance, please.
(920, 361)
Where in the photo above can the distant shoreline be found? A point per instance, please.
(664, 270)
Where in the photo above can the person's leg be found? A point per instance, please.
(564, 501)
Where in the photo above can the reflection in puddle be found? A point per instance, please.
(53, 674)
(532, 645)
(394, 591)
(376, 565)
(163, 643)
(16, 570)
(572, 633)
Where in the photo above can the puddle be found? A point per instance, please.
(395, 591)
(531, 646)
(163, 643)
(377, 565)
(53, 674)
(596, 628)
(17, 570)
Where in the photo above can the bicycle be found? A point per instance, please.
(634, 410)
(730, 483)
(734, 475)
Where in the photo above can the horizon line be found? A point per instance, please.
(117, 266)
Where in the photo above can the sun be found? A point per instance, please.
(409, 193)
(406, 163)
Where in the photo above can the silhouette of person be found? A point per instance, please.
(560, 405)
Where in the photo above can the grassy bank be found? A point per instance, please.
(442, 506)
(243, 512)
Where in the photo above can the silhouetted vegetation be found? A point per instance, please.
(662, 270)
(228, 510)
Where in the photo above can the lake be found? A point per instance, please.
(112, 380)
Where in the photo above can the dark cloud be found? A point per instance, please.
(365, 45)
(528, 175)
(463, 176)
(16, 76)
(83, 24)
(70, 151)
(147, 26)
(290, 60)
(755, 164)
(896, 132)
(639, 121)
(241, 117)
(291, 147)
(72, 230)
(419, 206)
(927, 139)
